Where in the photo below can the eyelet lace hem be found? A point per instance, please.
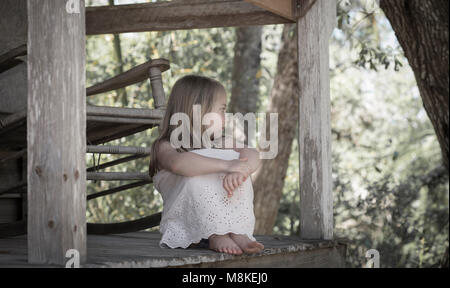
(184, 243)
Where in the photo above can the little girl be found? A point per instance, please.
(206, 192)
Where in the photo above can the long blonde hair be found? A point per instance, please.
(188, 91)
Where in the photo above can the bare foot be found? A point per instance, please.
(246, 244)
(224, 244)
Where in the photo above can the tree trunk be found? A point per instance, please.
(246, 72)
(269, 179)
(421, 27)
(121, 94)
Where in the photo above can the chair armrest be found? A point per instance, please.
(132, 76)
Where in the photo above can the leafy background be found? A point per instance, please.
(384, 148)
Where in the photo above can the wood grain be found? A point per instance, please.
(316, 205)
(283, 8)
(56, 132)
(177, 15)
(141, 249)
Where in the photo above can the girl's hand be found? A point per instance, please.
(239, 166)
(233, 181)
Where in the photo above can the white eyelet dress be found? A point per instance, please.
(194, 208)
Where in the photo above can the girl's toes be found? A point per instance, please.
(257, 245)
(253, 248)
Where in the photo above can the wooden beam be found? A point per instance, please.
(177, 15)
(56, 120)
(316, 205)
(283, 8)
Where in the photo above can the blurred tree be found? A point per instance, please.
(421, 27)
(390, 192)
(246, 72)
(422, 30)
(121, 94)
(269, 180)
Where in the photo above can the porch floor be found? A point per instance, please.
(141, 249)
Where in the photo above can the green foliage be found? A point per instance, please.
(384, 146)
(361, 24)
(383, 149)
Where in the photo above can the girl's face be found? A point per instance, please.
(220, 107)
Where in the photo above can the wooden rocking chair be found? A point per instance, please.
(104, 124)
(145, 118)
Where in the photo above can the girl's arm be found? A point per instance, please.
(254, 161)
(234, 180)
(252, 155)
(191, 164)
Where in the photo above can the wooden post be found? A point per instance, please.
(314, 26)
(56, 130)
(157, 87)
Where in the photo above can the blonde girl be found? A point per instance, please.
(207, 192)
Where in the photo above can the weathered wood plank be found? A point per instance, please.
(101, 126)
(177, 15)
(123, 120)
(104, 149)
(56, 132)
(141, 249)
(316, 205)
(124, 112)
(329, 257)
(284, 8)
(118, 176)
